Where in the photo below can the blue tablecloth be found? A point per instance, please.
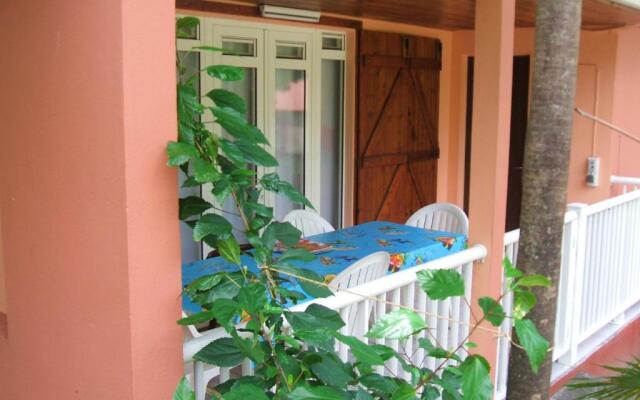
(407, 245)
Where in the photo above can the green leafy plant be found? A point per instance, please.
(293, 352)
(624, 384)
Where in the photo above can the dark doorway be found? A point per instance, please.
(519, 114)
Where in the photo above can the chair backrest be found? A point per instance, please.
(440, 217)
(365, 270)
(368, 269)
(308, 222)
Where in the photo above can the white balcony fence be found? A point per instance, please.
(599, 280)
(627, 183)
(448, 320)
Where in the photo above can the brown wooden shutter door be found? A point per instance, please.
(397, 148)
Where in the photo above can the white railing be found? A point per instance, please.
(448, 320)
(599, 280)
(628, 183)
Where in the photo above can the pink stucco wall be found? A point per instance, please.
(607, 86)
(626, 108)
(88, 208)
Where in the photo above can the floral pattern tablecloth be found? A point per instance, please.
(408, 247)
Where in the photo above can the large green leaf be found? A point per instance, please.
(256, 154)
(259, 209)
(533, 280)
(244, 391)
(312, 283)
(509, 270)
(315, 317)
(229, 249)
(430, 392)
(233, 152)
(225, 98)
(331, 370)
(252, 298)
(398, 324)
(297, 254)
(476, 381)
(282, 231)
(184, 24)
(224, 310)
(204, 171)
(221, 352)
(237, 126)
(225, 72)
(250, 348)
(441, 284)
(534, 344)
(197, 318)
(362, 394)
(206, 282)
(380, 384)
(523, 302)
(193, 205)
(272, 183)
(308, 392)
(184, 391)
(180, 153)
(226, 288)
(361, 351)
(211, 224)
(493, 311)
(319, 338)
(404, 392)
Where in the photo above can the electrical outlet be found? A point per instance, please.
(593, 171)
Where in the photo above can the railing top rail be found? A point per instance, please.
(370, 289)
(624, 180)
(612, 202)
(513, 236)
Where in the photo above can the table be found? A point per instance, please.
(407, 245)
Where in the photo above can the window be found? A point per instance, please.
(294, 88)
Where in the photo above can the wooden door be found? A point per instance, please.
(397, 147)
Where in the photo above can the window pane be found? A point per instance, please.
(293, 51)
(332, 42)
(239, 47)
(190, 249)
(290, 126)
(331, 141)
(245, 88)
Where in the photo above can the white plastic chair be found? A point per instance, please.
(440, 217)
(370, 268)
(308, 222)
(209, 371)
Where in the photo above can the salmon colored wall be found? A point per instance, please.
(88, 207)
(494, 23)
(595, 85)
(3, 294)
(627, 102)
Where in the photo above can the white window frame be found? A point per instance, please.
(213, 29)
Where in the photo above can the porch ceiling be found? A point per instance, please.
(456, 14)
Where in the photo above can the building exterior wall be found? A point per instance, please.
(87, 204)
(627, 102)
(599, 75)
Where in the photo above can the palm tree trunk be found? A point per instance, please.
(545, 176)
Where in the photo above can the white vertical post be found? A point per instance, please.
(199, 385)
(575, 296)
